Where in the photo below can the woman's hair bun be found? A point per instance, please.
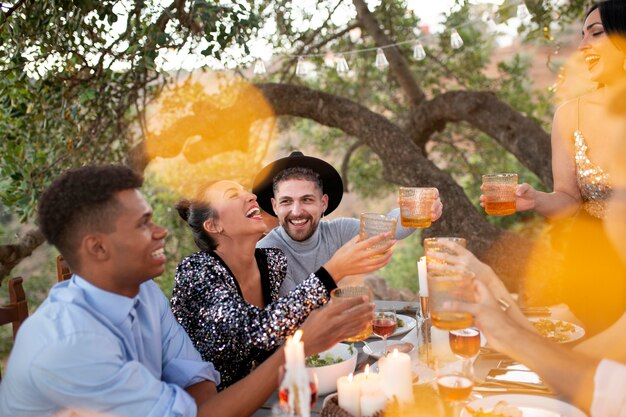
(183, 207)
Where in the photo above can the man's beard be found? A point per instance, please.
(303, 234)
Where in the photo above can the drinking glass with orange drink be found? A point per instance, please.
(499, 191)
(344, 293)
(455, 385)
(416, 205)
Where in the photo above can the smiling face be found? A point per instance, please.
(137, 244)
(237, 211)
(299, 205)
(605, 62)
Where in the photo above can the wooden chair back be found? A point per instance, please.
(17, 311)
(63, 269)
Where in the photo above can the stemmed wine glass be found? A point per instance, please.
(384, 324)
(454, 385)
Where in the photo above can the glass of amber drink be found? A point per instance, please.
(455, 385)
(373, 224)
(344, 293)
(416, 204)
(499, 191)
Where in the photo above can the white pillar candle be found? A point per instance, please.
(296, 376)
(396, 376)
(421, 274)
(348, 395)
(373, 399)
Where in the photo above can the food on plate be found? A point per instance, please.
(501, 409)
(405, 347)
(315, 361)
(555, 330)
(399, 322)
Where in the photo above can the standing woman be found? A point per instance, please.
(226, 295)
(592, 283)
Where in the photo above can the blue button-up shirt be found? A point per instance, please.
(78, 351)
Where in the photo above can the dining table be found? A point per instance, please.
(437, 347)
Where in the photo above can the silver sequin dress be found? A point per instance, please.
(593, 182)
(228, 331)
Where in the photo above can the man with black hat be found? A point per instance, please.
(300, 190)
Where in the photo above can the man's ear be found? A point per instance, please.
(324, 202)
(96, 246)
(274, 206)
(211, 226)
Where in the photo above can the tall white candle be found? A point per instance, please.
(396, 376)
(349, 395)
(373, 399)
(296, 378)
(421, 273)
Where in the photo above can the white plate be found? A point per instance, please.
(571, 336)
(531, 406)
(375, 349)
(424, 374)
(409, 324)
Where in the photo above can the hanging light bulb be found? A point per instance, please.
(342, 65)
(522, 12)
(455, 39)
(301, 67)
(355, 34)
(259, 67)
(381, 60)
(418, 52)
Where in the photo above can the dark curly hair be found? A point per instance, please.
(82, 200)
(195, 212)
(297, 173)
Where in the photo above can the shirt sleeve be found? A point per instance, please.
(182, 363)
(88, 371)
(608, 394)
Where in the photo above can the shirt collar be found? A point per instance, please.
(113, 306)
(310, 243)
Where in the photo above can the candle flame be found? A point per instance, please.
(395, 353)
(297, 336)
(350, 377)
(367, 370)
(423, 259)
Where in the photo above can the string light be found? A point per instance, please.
(259, 67)
(303, 67)
(381, 60)
(456, 41)
(418, 52)
(342, 65)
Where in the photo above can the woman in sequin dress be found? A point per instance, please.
(592, 284)
(226, 295)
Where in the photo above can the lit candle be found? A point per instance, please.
(373, 399)
(396, 376)
(348, 395)
(421, 273)
(296, 377)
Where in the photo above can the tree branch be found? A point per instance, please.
(397, 63)
(345, 163)
(519, 135)
(11, 255)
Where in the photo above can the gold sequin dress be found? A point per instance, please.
(593, 182)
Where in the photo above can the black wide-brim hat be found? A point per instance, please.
(331, 180)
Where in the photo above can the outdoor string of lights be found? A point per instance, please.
(419, 53)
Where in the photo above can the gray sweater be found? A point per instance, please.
(308, 256)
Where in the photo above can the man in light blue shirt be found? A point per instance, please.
(106, 341)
